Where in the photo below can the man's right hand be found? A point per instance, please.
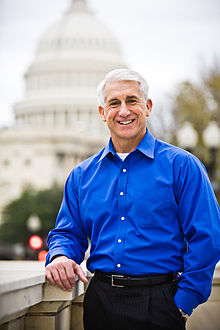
(61, 272)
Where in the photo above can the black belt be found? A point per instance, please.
(122, 281)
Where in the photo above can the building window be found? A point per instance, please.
(6, 162)
(60, 157)
(27, 162)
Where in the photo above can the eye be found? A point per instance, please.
(132, 101)
(113, 104)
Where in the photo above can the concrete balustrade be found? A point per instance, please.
(28, 302)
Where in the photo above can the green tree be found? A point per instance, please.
(212, 83)
(199, 103)
(45, 204)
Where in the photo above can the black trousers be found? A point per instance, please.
(134, 308)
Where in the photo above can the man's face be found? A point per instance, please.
(125, 112)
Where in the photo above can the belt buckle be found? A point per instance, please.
(116, 285)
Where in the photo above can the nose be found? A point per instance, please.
(124, 111)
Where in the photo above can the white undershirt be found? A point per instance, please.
(122, 155)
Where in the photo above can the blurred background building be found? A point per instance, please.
(57, 123)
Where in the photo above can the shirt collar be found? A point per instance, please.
(146, 146)
(108, 149)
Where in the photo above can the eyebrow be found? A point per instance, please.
(127, 98)
(132, 97)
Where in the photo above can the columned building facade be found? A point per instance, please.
(57, 123)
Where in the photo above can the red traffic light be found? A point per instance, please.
(42, 255)
(35, 242)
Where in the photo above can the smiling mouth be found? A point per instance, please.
(126, 122)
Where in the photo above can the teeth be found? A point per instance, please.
(125, 122)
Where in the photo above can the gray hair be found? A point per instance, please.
(119, 75)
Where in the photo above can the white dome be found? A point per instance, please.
(71, 58)
(78, 30)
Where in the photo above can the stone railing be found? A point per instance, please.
(28, 302)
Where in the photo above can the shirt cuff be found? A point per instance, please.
(56, 252)
(186, 301)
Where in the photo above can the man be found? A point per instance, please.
(150, 213)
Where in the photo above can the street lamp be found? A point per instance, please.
(34, 223)
(211, 135)
(211, 138)
(187, 137)
(35, 242)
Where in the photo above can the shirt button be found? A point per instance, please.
(119, 240)
(121, 193)
(124, 170)
(118, 265)
(122, 218)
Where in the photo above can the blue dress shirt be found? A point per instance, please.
(155, 212)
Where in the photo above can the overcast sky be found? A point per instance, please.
(167, 41)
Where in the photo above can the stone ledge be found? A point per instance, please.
(15, 275)
(22, 286)
(15, 304)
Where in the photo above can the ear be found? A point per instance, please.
(149, 106)
(102, 113)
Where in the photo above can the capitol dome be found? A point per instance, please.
(57, 124)
(72, 57)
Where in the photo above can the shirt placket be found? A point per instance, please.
(120, 235)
